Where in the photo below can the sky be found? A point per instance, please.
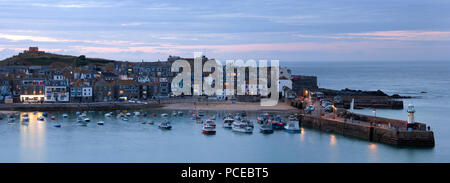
(291, 30)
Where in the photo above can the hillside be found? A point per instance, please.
(42, 59)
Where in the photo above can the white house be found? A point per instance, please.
(283, 82)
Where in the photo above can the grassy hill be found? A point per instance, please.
(43, 59)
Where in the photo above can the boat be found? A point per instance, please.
(40, 118)
(201, 113)
(150, 122)
(265, 128)
(164, 115)
(228, 122)
(153, 115)
(87, 120)
(242, 126)
(45, 114)
(137, 113)
(57, 125)
(244, 114)
(25, 118)
(78, 113)
(174, 113)
(65, 115)
(213, 117)
(206, 129)
(109, 114)
(276, 123)
(125, 118)
(128, 114)
(292, 127)
(11, 119)
(180, 113)
(53, 118)
(81, 123)
(209, 123)
(83, 114)
(100, 123)
(165, 125)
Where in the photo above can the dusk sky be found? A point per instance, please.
(320, 30)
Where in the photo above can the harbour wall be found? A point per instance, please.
(403, 137)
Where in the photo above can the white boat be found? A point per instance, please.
(65, 115)
(150, 122)
(57, 125)
(41, 118)
(137, 113)
(125, 118)
(109, 114)
(128, 114)
(100, 123)
(293, 127)
(78, 113)
(228, 122)
(213, 117)
(164, 115)
(165, 125)
(242, 126)
(201, 113)
(174, 113)
(180, 113)
(87, 120)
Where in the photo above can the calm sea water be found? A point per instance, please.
(131, 141)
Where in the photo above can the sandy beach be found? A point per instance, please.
(228, 106)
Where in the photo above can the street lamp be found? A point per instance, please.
(374, 111)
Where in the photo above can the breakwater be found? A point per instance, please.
(76, 106)
(417, 137)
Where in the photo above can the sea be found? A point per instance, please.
(428, 82)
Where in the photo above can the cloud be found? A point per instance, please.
(133, 24)
(32, 38)
(73, 5)
(402, 35)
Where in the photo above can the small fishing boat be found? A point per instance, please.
(83, 114)
(25, 118)
(292, 127)
(228, 122)
(165, 125)
(265, 128)
(109, 114)
(57, 125)
(53, 118)
(153, 115)
(40, 118)
(137, 113)
(45, 114)
(78, 113)
(174, 113)
(201, 113)
(81, 123)
(242, 126)
(11, 119)
(180, 113)
(150, 122)
(128, 114)
(100, 123)
(210, 130)
(65, 115)
(164, 115)
(87, 120)
(209, 123)
(125, 118)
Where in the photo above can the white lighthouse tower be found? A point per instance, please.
(411, 110)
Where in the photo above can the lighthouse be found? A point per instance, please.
(411, 112)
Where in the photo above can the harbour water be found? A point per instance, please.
(131, 141)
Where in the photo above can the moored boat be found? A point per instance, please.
(57, 125)
(87, 120)
(242, 126)
(65, 115)
(265, 128)
(228, 122)
(100, 123)
(209, 123)
(165, 125)
(292, 127)
(206, 129)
